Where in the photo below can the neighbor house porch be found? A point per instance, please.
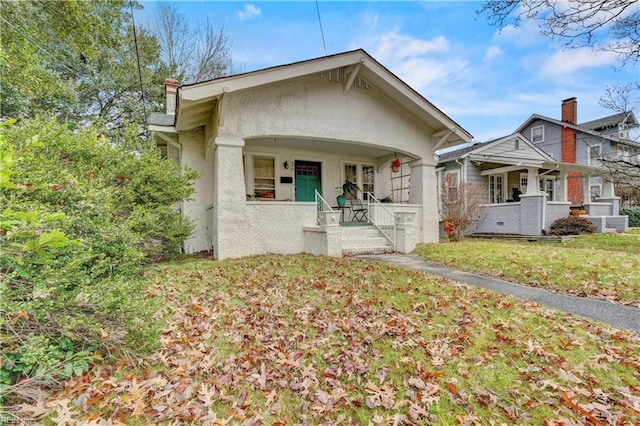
(518, 207)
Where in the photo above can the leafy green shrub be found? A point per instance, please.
(634, 215)
(79, 218)
(572, 225)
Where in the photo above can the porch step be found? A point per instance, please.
(364, 240)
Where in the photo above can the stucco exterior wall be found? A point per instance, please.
(277, 227)
(313, 107)
(196, 208)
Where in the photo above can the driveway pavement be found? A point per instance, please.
(600, 310)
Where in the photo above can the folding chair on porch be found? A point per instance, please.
(358, 210)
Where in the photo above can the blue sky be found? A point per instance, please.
(487, 81)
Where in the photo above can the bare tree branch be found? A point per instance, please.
(192, 54)
(605, 25)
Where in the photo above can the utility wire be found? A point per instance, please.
(321, 30)
(135, 40)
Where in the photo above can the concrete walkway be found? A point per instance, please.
(600, 310)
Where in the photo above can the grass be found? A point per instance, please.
(602, 266)
(313, 340)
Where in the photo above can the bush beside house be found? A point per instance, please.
(634, 215)
(572, 225)
(80, 217)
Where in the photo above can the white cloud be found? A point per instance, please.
(568, 61)
(392, 46)
(416, 61)
(525, 34)
(249, 11)
(491, 53)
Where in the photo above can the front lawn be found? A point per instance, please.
(281, 340)
(602, 266)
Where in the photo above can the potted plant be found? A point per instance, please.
(347, 188)
(395, 165)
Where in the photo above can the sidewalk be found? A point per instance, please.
(600, 310)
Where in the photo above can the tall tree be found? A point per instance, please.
(608, 25)
(78, 60)
(192, 53)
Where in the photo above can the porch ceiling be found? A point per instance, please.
(321, 145)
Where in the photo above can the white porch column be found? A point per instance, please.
(609, 196)
(231, 236)
(608, 190)
(586, 189)
(533, 186)
(564, 194)
(424, 191)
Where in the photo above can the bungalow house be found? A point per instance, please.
(526, 188)
(272, 145)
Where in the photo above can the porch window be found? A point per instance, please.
(367, 180)
(548, 185)
(361, 174)
(264, 177)
(496, 188)
(537, 134)
(595, 154)
(596, 191)
(524, 179)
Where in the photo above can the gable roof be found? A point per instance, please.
(195, 101)
(512, 149)
(610, 121)
(577, 127)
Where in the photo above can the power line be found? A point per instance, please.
(135, 40)
(321, 30)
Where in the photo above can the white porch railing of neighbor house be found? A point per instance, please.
(383, 219)
(321, 205)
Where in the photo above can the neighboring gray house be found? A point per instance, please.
(586, 144)
(526, 188)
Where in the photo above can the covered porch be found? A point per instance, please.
(516, 206)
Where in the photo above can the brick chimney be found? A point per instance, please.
(574, 179)
(171, 91)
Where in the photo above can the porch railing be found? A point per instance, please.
(382, 218)
(321, 205)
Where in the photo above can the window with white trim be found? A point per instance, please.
(264, 177)
(548, 185)
(362, 175)
(450, 185)
(524, 179)
(595, 154)
(596, 191)
(624, 152)
(496, 188)
(537, 134)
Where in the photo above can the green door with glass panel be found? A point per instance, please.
(307, 180)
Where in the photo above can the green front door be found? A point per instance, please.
(307, 180)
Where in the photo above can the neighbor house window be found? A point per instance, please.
(450, 185)
(264, 177)
(496, 188)
(548, 185)
(595, 154)
(537, 134)
(524, 179)
(624, 152)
